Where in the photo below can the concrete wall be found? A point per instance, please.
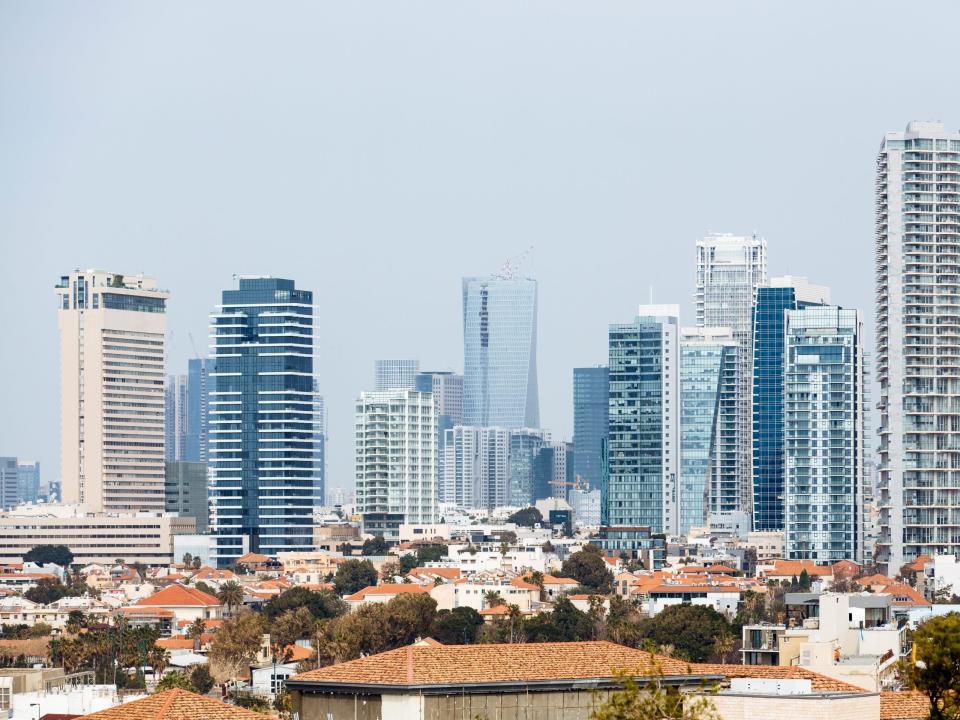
(808, 707)
(337, 707)
(572, 705)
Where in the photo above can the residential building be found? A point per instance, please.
(917, 243)
(186, 492)
(447, 391)
(708, 444)
(729, 270)
(825, 412)
(112, 334)
(476, 469)
(319, 444)
(396, 446)
(172, 705)
(9, 483)
(525, 447)
(395, 374)
(199, 392)
(769, 320)
(28, 480)
(586, 506)
(92, 537)
(644, 431)
(500, 352)
(591, 399)
(263, 471)
(176, 426)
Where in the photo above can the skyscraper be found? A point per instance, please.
(447, 391)
(262, 418)
(918, 241)
(395, 374)
(396, 441)
(591, 400)
(525, 446)
(707, 448)
(112, 330)
(729, 271)
(186, 491)
(199, 390)
(500, 352)
(28, 479)
(824, 434)
(9, 483)
(476, 468)
(644, 438)
(176, 423)
(769, 320)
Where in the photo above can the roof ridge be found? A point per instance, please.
(174, 693)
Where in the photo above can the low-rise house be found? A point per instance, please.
(17, 610)
(383, 593)
(474, 593)
(555, 587)
(175, 705)
(182, 602)
(789, 570)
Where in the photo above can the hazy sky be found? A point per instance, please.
(376, 152)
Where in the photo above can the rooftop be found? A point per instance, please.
(176, 705)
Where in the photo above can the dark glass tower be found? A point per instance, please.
(591, 401)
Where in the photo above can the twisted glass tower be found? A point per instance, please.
(262, 416)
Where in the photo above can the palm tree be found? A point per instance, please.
(195, 631)
(158, 659)
(513, 612)
(536, 577)
(231, 595)
(493, 598)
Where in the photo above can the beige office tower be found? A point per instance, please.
(112, 331)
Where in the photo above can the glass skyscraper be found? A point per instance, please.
(500, 352)
(707, 356)
(918, 333)
(591, 400)
(525, 446)
(175, 424)
(769, 320)
(640, 487)
(262, 417)
(199, 389)
(476, 467)
(447, 391)
(824, 434)
(395, 374)
(28, 479)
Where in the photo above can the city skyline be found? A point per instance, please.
(609, 199)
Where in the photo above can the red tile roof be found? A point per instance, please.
(789, 568)
(905, 596)
(387, 589)
(252, 558)
(818, 682)
(908, 705)
(179, 596)
(519, 662)
(176, 705)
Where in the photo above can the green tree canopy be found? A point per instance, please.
(237, 642)
(691, 629)
(354, 575)
(201, 679)
(46, 591)
(937, 670)
(456, 627)
(527, 517)
(589, 569)
(375, 546)
(321, 604)
(175, 679)
(57, 554)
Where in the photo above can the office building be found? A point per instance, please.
(175, 424)
(824, 434)
(28, 481)
(769, 319)
(395, 374)
(199, 389)
(643, 451)
(591, 396)
(476, 468)
(447, 391)
(729, 270)
(263, 473)
(525, 447)
(112, 330)
(707, 424)
(500, 352)
(918, 241)
(396, 445)
(9, 483)
(186, 493)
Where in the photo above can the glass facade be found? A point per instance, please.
(500, 352)
(262, 418)
(824, 434)
(643, 439)
(447, 391)
(199, 389)
(525, 446)
(395, 374)
(175, 420)
(28, 480)
(591, 395)
(476, 468)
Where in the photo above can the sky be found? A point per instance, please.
(378, 151)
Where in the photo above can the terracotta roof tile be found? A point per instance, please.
(904, 706)
(174, 643)
(905, 596)
(520, 662)
(176, 705)
(818, 682)
(795, 567)
(179, 596)
(387, 589)
(445, 572)
(252, 557)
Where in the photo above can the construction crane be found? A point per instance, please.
(512, 265)
(193, 345)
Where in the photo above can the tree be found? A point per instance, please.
(176, 679)
(204, 588)
(564, 624)
(537, 578)
(804, 581)
(56, 554)
(237, 642)
(322, 604)
(46, 591)
(456, 627)
(690, 629)
(493, 598)
(197, 563)
(375, 546)
(653, 701)
(936, 672)
(201, 679)
(290, 627)
(589, 569)
(187, 559)
(37, 630)
(231, 595)
(158, 659)
(354, 575)
(527, 517)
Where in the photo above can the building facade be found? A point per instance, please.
(112, 335)
(447, 391)
(199, 389)
(186, 492)
(396, 446)
(707, 448)
(500, 352)
(643, 450)
(591, 396)
(175, 422)
(263, 473)
(476, 468)
(395, 374)
(525, 447)
(28, 480)
(917, 248)
(729, 270)
(824, 434)
(9, 483)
